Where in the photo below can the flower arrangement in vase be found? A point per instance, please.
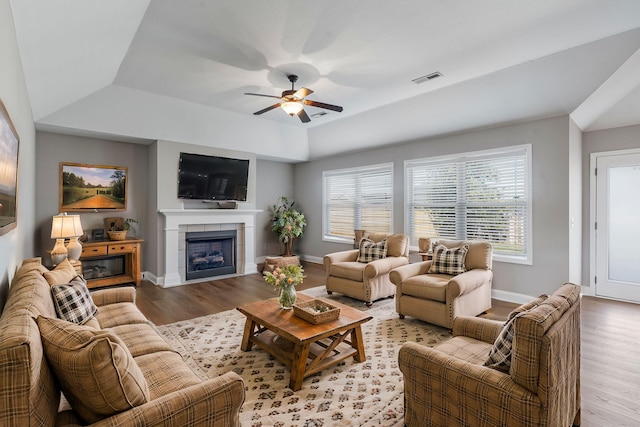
(288, 222)
(285, 279)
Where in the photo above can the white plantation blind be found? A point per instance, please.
(357, 199)
(483, 195)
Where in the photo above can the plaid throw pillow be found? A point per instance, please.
(371, 251)
(449, 261)
(73, 301)
(500, 354)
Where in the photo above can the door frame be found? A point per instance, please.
(593, 243)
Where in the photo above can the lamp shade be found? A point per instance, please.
(292, 107)
(64, 226)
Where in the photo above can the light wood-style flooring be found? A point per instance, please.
(610, 336)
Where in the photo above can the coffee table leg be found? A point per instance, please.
(249, 326)
(358, 343)
(298, 366)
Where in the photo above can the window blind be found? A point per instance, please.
(358, 198)
(482, 195)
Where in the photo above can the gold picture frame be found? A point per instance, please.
(9, 147)
(85, 187)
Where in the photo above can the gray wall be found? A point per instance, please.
(52, 149)
(622, 138)
(18, 243)
(550, 141)
(275, 179)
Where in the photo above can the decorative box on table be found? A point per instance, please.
(316, 311)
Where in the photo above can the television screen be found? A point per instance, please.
(92, 187)
(203, 177)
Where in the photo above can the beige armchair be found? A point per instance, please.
(449, 385)
(367, 282)
(438, 298)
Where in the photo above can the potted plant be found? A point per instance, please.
(118, 228)
(288, 223)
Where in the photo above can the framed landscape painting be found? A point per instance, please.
(8, 172)
(92, 187)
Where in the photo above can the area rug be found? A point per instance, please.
(349, 394)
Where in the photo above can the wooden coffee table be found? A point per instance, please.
(304, 347)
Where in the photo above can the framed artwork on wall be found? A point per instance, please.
(92, 187)
(9, 142)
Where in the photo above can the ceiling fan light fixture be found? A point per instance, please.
(292, 108)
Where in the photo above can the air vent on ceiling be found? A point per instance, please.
(427, 77)
(319, 114)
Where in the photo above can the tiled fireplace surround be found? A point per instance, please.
(180, 221)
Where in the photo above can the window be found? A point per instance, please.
(480, 195)
(357, 199)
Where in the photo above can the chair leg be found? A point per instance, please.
(330, 292)
(401, 316)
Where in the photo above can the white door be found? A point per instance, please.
(618, 227)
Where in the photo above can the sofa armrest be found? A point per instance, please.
(468, 281)
(478, 328)
(383, 266)
(215, 402)
(425, 369)
(400, 274)
(103, 297)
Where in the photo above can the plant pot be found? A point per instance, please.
(117, 235)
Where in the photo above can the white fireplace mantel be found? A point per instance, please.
(174, 218)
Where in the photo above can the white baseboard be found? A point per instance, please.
(510, 296)
(314, 259)
(147, 275)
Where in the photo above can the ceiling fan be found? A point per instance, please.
(293, 101)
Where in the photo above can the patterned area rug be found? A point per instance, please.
(348, 394)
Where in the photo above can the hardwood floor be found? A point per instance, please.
(610, 336)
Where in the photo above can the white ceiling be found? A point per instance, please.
(142, 70)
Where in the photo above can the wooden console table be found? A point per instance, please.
(98, 253)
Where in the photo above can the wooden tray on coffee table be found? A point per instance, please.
(304, 347)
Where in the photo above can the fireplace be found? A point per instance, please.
(210, 253)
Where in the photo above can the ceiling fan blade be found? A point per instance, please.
(267, 109)
(304, 118)
(259, 94)
(302, 92)
(322, 105)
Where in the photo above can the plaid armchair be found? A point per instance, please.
(449, 385)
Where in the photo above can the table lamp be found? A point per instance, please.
(66, 226)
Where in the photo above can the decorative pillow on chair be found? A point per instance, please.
(500, 353)
(95, 369)
(73, 301)
(371, 251)
(449, 261)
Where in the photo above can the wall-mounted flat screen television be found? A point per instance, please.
(203, 177)
(92, 187)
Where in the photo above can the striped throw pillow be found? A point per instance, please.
(449, 261)
(371, 251)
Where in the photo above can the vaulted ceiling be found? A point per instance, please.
(140, 70)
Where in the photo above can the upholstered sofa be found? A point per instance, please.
(30, 392)
(438, 298)
(366, 281)
(532, 377)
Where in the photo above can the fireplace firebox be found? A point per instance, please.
(210, 253)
